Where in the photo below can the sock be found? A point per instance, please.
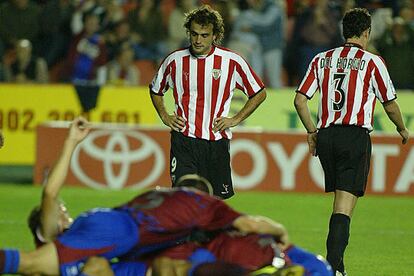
(337, 240)
(9, 261)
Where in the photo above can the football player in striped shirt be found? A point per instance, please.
(349, 80)
(203, 78)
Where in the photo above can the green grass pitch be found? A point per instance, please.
(382, 228)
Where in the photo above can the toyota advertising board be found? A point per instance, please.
(24, 107)
(117, 157)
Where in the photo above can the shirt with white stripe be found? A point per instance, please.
(203, 87)
(349, 80)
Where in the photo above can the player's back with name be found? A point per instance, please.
(346, 58)
(343, 63)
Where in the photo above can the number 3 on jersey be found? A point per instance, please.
(338, 96)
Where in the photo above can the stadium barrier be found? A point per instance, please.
(23, 107)
(121, 156)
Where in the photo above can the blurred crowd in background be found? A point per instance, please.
(121, 42)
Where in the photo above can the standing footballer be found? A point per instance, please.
(348, 79)
(203, 78)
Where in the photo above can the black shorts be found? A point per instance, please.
(345, 154)
(210, 159)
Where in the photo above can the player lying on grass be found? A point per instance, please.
(151, 221)
(220, 253)
(226, 253)
(253, 254)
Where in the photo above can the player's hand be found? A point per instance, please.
(1, 139)
(222, 123)
(79, 129)
(97, 266)
(405, 135)
(174, 121)
(312, 143)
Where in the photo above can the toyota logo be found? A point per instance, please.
(113, 151)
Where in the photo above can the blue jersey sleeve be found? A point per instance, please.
(129, 268)
(314, 265)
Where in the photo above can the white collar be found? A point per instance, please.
(40, 236)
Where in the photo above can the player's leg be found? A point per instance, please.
(327, 155)
(353, 152)
(218, 168)
(273, 65)
(43, 260)
(182, 157)
(339, 226)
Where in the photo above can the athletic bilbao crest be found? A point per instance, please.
(216, 74)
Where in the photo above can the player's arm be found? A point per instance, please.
(173, 121)
(100, 266)
(394, 113)
(249, 107)
(261, 225)
(97, 266)
(167, 266)
(301, 105)
(50, 203)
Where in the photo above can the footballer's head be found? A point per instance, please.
(63, 220)
(355, 22)
(34, 220)
(195, 181)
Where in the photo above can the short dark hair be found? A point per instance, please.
(355, 22)
(34, 220)
(203, 16)
(195, 181)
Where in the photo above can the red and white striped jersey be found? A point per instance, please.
(348, 79)
(203, 87)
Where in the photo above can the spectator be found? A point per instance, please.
(19, 19)
(120, 34)
(246, 43)
(81, 8)
(177, 36)
(107, 11)
(145, 22)
(87, 53)
(122, 70)
(227, 11)
(55, 30)
(265, 21)
(86, 60)
(407, 13)
(1, 48)
(1, 61)
(396, 46)
(26, 67)
(111, 15)
(316, 30)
